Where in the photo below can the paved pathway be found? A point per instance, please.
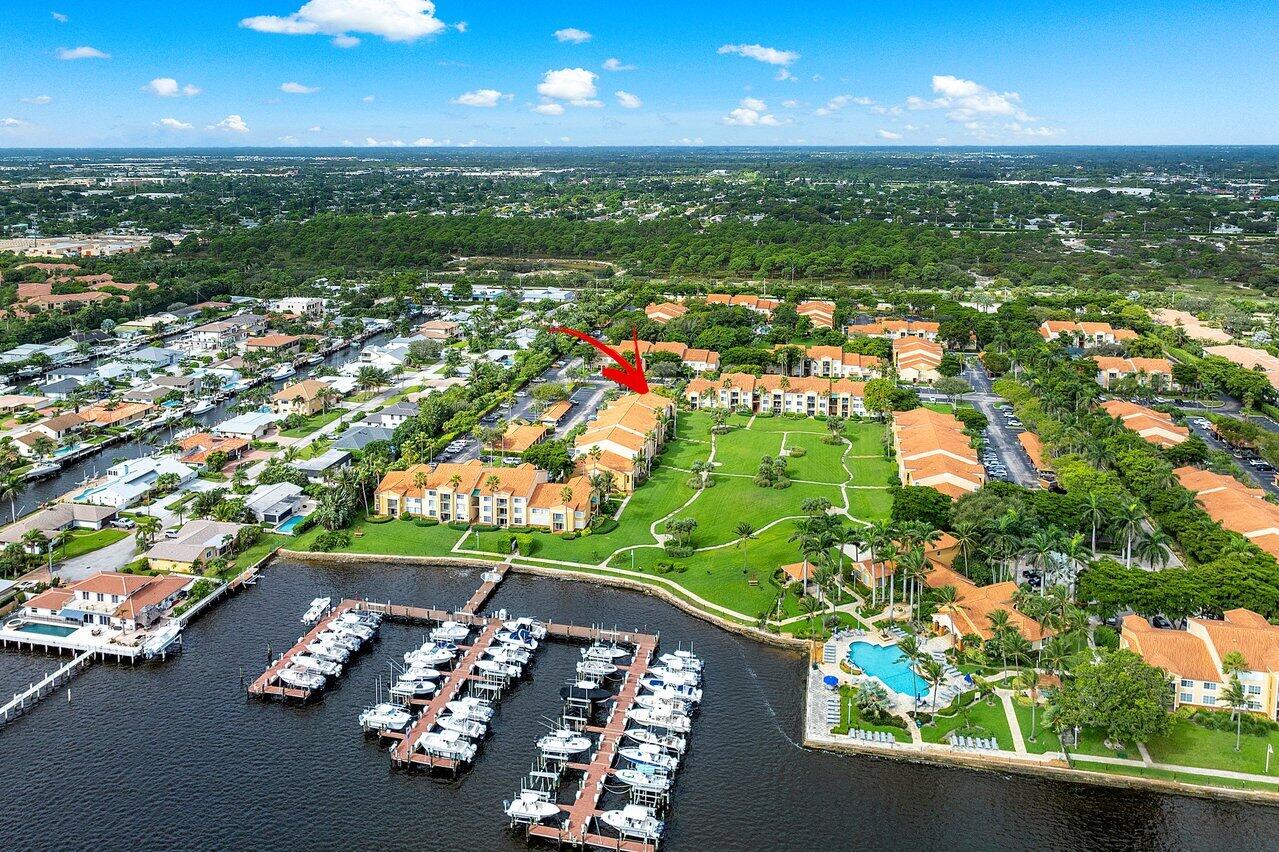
(110, 558)
(1019, 742)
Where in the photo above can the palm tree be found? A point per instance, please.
(1236, 697)
(11, 485)
(934, 673)
(147, 526)
(914, 566)
(744, 532)
(1155, 548)
(1027, 681)
(1095, 512)
(1128, 520)
(1040, 547)
(1000, 623)
(967, 535)
(419, 482)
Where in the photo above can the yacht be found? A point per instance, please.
(413, 687)
(451, 631)
(312, 359)
(517, 639)
(202, 406)
(282, 372)
(532, 626)
(385, 717)
(670, 742)
(301, 678)
(650, 755)
(596, 668)
(585, 691)
(681, 660)
(353, 628)
(507, 654)
(675, 722)
(340, 640)
(431, 655)
(448, 744)
(423, 671)
(465, 727)
(363, 616)
(606, 652)
(671, 692)
(634, 821)
(495, 668)
(476, 709)
(329, 668)
(672, 677)
(328, 651)
(649, 782)
(531, 806)
(563, 744)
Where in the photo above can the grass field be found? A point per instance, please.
(87, 541)
(983, 720)
(1188, 744)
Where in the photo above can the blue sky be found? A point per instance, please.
(389, 72)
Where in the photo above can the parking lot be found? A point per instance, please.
(1002, 455)
(1257, 469)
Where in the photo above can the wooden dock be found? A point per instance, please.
(268, 686)
(483, 593)
(29, 697)
(577, 830)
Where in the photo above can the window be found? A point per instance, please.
(1254, 690)
(1186, 698)
(1210, 700)
(1187, 683)
(1209, 686)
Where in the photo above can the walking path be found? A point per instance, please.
(1019, 742)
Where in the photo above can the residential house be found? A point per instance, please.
(108, 598)
(393, 415)
(227, 333)
(196, 449)
(1155, 426)
(128, 481)
(105, 415)
(58, 517)
(1085, 333)
(274, 504)
(1153, 372)
(932, 450)
(306, 398)
(319, 468)
(440, 329)
(663, 312)
(306, 307)
(970, 614)
(893, 329)
(251, 425)
(197, 544)
(360, 435)
(276, 345)
(917, 360)
(60, 426)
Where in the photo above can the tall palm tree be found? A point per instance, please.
(744, 532)
(11, 485)
(967, 536)
(914, 566)
(1000, 623)
(1095, 513)
(934, 673)
(1040, 547)
(1155, 548)
(1127, 521)
(419, 482)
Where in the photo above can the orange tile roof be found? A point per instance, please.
(557, 411)
(1175, 651)
(306, 390)
(519, 437)
(271, 341)
(974, 604)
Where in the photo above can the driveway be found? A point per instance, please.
(1000, 437)
(113, 557)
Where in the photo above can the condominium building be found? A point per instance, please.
(933, 450)
(1155, 372)
(917, 360)
(624, 437)
(809, 395)
(1155, 426)
(892, 329)
(663, 312)
(1085, 333)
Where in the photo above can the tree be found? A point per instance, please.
(923, 504)
(952, 387)
(744, 532)
(878, 396)
(1095, 514)
(1119, 693)
(1128, 518)
(11, 485)
(935, 673)
(147, 527)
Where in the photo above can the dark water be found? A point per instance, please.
(174, 756)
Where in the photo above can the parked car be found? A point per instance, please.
(123, 523)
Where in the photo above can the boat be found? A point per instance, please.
(471, 707)
(431, 655)
(413, 687)
(312, 359)
(665, 705)
(531, 625)
(465, 727)
(681, 660)
(500, 669)
(634, 821)
(585, 691)
(353, 628)
(675, 678)
(385, 717)
(671, 742)
(363, 616)
(596, 668)
(316, 611)
(517, 638)
(650, 755)
(451, 631)
(671, 692)
(202, 406)
(328, 651)
(508, 654)
(606, 652)
(563, 744)
(448, 744)
(651, 781)
(301, 678)
(282, 372)
(676, 722)
(423, 671)
(531, 806)
(341, 640)
(328, 668)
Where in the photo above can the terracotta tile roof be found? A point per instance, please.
(1199, 481)
(615, 434)
(306, 390)
(1034, 449)
(103, 415)
(1175, 651)
(974, 604)
(557, 411)
(52, 599)
(548, 495)
(664, 312)
(473, 477)
(271, 341)
(110, 583)
(519, 437)
(608, 460)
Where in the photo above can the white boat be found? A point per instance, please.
(507, 654)
(385, 717)
(342, 640)
(431, 655)
(329, 651)
(634, 821)
(517, 639)
(448, 744)
(301, 678)
(451, 631)
(353, 626)
(674, 677)
(655, 782)
(202, 406)
(465, 727)
(681, 660)
(329, 668)
(534, 627)
(671, 742)
(282, 372)
(650, 755)
(596, 668)
(531, 806)
(363, 616)
(413, 687)
(563, 744)
(423, 671)
(606, 652)
(675, 722)
(663, 705)
(476, 709)
(500, 669)
(312, 359)
(659, 688)
(316, 611)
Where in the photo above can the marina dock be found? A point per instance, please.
(29, 697)
(268, 683)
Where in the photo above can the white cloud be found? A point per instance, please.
(965, 100)
(393, 20)
(615, 64)
(888, 134)
(791, 104)
(479, 98)
(315, 128)
(172, 124)
(167, 87)
(59, 17)
(82, 52)
(838, 102)
(231, 124)
(627, 100)
(573, 34)
(38, 100)
(1025, 130)
(549, 109)
(770, 55)
(368, 99)
(294, 88)
(384, 143)
(12, 122)
(785, 74)
(752, 113)
(461, 26)
(288, 140)
(575, 85)
(344, 41)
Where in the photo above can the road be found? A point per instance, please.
(1263, 480)
(1000, 437)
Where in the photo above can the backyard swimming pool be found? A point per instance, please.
(887, 663)
(46, 629)
(288, 526)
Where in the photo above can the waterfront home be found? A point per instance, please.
(157, 357)
(111, 599)
(83, 374)
(970, 614)
(1084, 333)
(306, 397)
(227, 333)
(57, 353)
(917, 360)
(475, 494)
(53, 519)
(274, 504)
(1194, 657)
(441, 330)
(276, 345)
(251, 425)
(305, 307)
(109, 414)
(663, 312)
(127, 482)
(892, 329)
(321, 467)
(196, 449)
(932, 449)
(12, 402)
(61, 389)
(1155, 426)
(197, 544)
(393, 415)
(59, 426)
(623, 437)
(1153, 372)
(360, 435)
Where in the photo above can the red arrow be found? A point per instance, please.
(629, 375)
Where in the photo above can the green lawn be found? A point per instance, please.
(821, 462)
(1045, 740)
(876, 471)
(392, 538)
(1182, 777)
(740, 450)
(867, 437)
(852, 718)
(747, 502)
(1188, 744)
(265, 545)
(315, 421)
(984, 720)
(684, 453)
(87, 541)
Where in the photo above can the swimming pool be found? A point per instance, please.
(288, 526)
(886, 663)
(46, 629)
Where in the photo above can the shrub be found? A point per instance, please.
(1105, 637)
(604, 525)
(525, 543)
(377, 519)
(459, 526)
(486, 528)
(679, 551)
(568, 535)
(329, 541)
(796, 452)
(426, 522)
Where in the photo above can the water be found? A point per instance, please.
(886, 663)
(174, 756)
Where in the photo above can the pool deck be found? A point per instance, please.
(109, 643)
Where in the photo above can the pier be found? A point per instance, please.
(268, 686)
(29, 697)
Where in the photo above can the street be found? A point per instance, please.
(1000, 437)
